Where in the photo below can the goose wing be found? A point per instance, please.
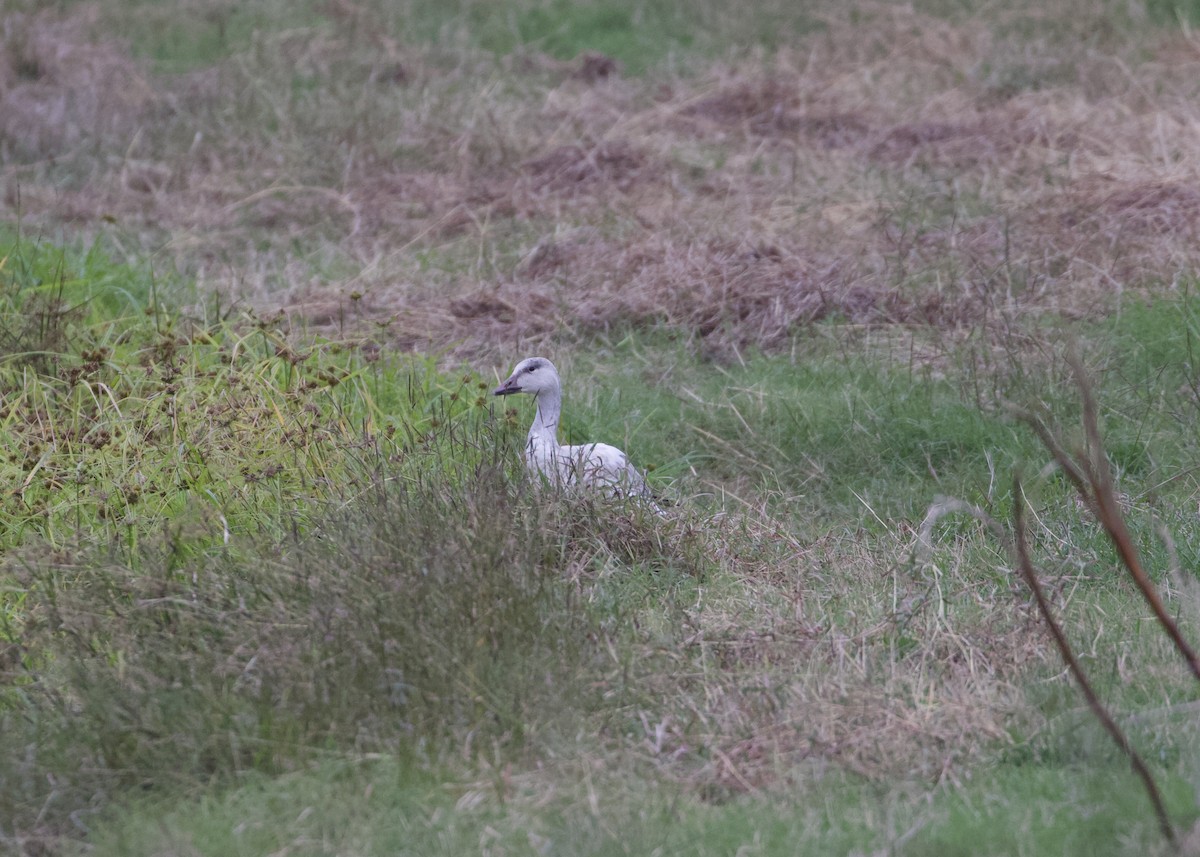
(602, 466)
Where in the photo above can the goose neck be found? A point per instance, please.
(549, 406)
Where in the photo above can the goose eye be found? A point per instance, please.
(531, 369)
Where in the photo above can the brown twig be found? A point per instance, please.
(1065, 462)
(1091, 475)
(1104, 502)
(1025, 565)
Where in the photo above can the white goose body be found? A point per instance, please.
(591, 465)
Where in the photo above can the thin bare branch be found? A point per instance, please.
(1108, 511)
(1065, 461)
(1091, 475)
(1025, 566)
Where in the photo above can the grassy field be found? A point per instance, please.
(271, 581)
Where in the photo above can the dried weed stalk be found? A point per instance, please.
(1091, 475)
(1029, 573)
(1089, 472)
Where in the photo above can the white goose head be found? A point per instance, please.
(532, 375)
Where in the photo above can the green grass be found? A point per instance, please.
(643, 35)
(183, 39)
(283, 593)
(1171, 13)
(830, 434)
(120, 414)
(640, 35)
(384, 807)
(840, 434)
(264, 591)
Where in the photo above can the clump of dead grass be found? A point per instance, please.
(814, 678)
(790, 669)
(63, 89)
(415, 615)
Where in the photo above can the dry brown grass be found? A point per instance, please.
(63, 92)
(892, 167)
(800, 668)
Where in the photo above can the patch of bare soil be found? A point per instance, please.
(896, 168)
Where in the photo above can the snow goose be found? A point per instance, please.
(593, 465)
